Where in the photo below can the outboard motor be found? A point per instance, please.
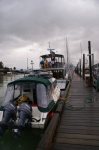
(24, 120)
(9, 114)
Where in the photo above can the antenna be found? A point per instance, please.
(27, 63)
(49, 45)
(50, 49)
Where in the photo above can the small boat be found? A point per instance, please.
(9, 73)
(29, 102)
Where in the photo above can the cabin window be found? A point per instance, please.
(17, 91)
(8, 95)
(28, 89)
(49, 93)
(43, 95)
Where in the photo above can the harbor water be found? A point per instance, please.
(30, 137)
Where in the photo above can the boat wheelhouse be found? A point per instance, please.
(55, 63)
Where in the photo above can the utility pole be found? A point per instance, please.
(27, 63)
(32, 64)
(83, 66)
(49, 45)
(90, 66)
(80, 66)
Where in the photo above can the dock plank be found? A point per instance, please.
(77, 141)
(79, 124)
(58, 146)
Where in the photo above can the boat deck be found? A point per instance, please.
(78, 128)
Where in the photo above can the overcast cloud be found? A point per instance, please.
(27, 26)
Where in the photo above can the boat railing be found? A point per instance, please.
(55, 65)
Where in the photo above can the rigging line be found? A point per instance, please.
(81, 52)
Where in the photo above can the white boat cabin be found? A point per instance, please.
(55, 63)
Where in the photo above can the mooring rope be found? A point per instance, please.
(88, 99)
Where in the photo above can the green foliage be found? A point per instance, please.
(14, 68)
(6, 69)
(1, 64)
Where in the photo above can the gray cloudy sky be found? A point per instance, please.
(27, 26)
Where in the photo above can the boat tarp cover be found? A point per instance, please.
(42, 80)
(48, 108)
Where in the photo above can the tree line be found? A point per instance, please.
(4, 69)
(1, 65)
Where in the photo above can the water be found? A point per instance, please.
(29, 140)
(30, 137)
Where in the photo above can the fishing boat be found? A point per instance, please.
(56, 64)
(29, 102)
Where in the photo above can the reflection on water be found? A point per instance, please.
(30, 137)
(28, 141)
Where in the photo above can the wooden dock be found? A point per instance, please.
(78, 127)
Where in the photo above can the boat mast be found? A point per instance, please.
(67, 52)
